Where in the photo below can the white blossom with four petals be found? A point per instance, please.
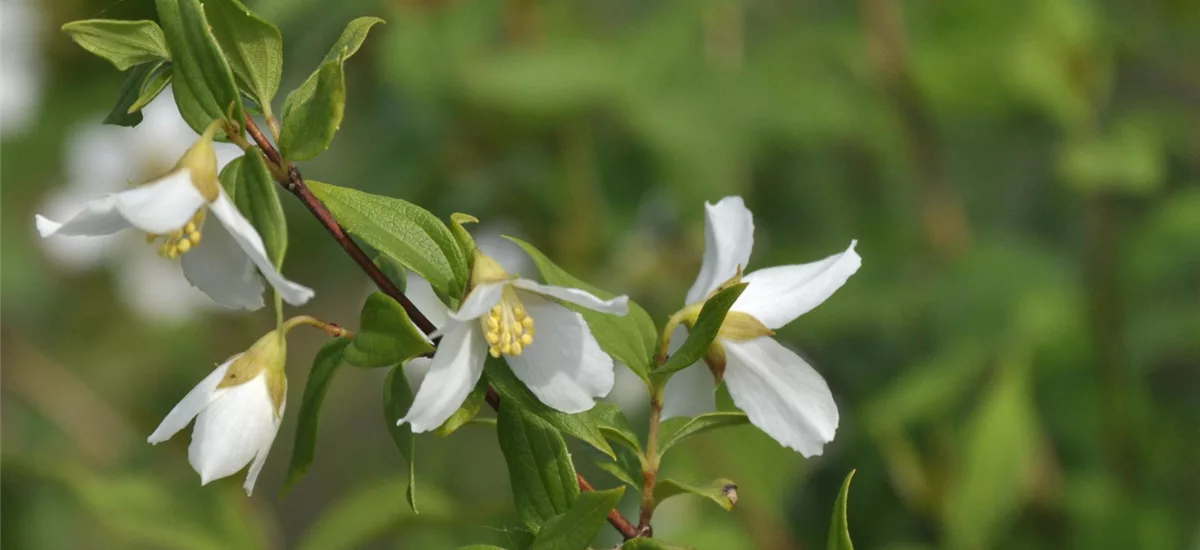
(237, 409)
(549, 347)
(778, 390)
(174, 209)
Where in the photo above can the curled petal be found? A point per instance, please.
(454, 371)
(778, 295)
(191, 405)
(260, 458)
(564, 365)
(233, 429)
(781, 394)
(728, 239)
(249, 241)
(616, 306)
(161, 206)
(99, 217)
(479, 301)
(219, 268)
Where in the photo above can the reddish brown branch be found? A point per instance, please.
(289, 177)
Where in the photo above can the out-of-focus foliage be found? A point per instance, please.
(1017, 363)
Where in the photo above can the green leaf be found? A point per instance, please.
(325, 365)
(385, 335)
(631, 339)
(615, 426)
(575, 529)
(539, 466)
(480, 547)
(253, 47)
(393, 269)
(312, 113)
(251, 187)
(675, 430)
(123, 113)
(467, 411)
(581, 426)
(619, 471)
(371, 511)
(465, 241)
(1001, 444)
(203, 83)
(123, 43)
(405, 232)
(721, 491)
(397, 398)
(702, 333)
(839, 526)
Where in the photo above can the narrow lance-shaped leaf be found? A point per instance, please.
(581, 426)
(397, 398)
(249, 184)
(203, 83)
(385, 335)
(252, 45)
(539, 466)
(630, 339)
(676, 430)
(615, 426)
(312, 113)
(575, 529)
(402, 230)
(701, 334)
(839, 526)
(325, 365)
(153, 85)
(123, 43)
(721, 491)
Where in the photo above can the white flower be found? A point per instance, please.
(21, 33)
(548, 346)
(778, 390)
(237, 410)
(173, 209)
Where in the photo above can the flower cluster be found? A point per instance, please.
(537, 329)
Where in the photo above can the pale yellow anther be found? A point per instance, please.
(181, 240)
(507, 326)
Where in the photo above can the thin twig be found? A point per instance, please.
(294, 184)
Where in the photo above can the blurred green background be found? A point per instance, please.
(1017, 364)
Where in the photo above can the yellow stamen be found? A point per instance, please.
(180, 241)
(508, 328)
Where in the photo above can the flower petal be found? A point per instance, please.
(479, 301)
(421, 294)
(616, 306)
(247, 238)
(219, 268)
(231, 430)
(161, 206)
(691, 391)
(564, 366)
(781, 394)
(728, 239)
(452, 375)
(99, 217)
(264, 449)
(778, 295)
(191, 405)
